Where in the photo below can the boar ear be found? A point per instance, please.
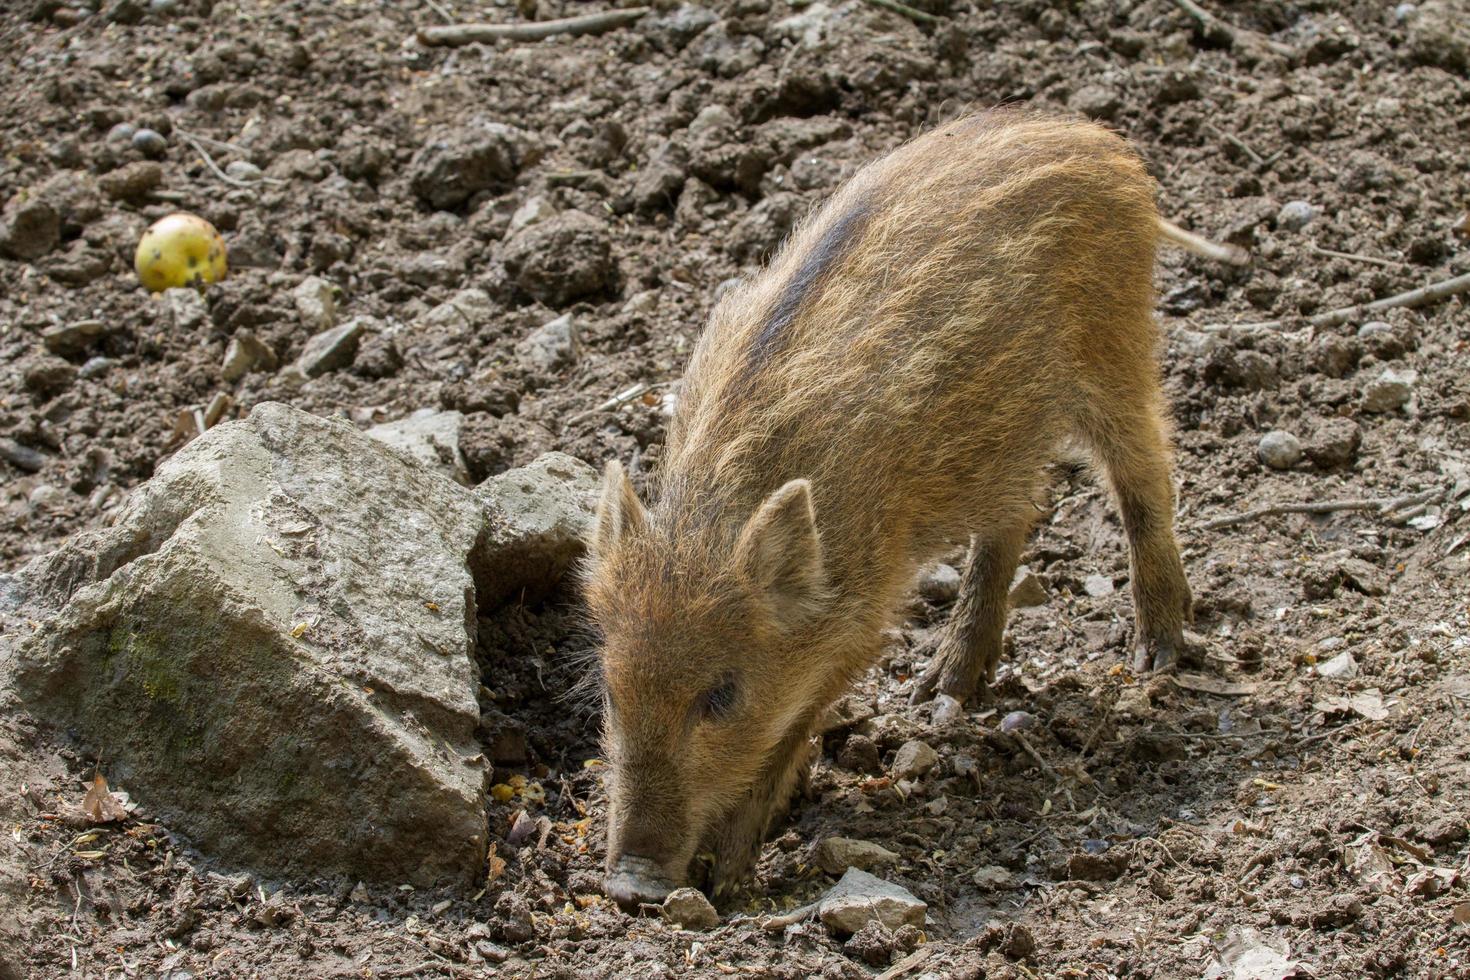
(619, 513)
(780, 552)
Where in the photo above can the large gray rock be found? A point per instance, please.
(272, 648)
(859, 898)
(540, 516)
(431, 438)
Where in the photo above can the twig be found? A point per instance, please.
(457, 35)
(775, 923)
(1224, 33)
(1414, 297)
(906, 964)
(1035, 756)
(1383, 505)
(905, 10)
(438, 8)
(619, 400)
(1356, 257)
(1239, 144)
(209, 160)
(1215, 251)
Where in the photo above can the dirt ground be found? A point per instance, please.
(1306, 781)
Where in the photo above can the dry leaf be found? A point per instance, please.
(1461, 915)
(1244, 954)
(98, 804)
(494, 866)
(1206, 684)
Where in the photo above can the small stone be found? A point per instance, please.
(430, 437)
(246, 353)
(1334, 443)
(1340, 668)
(913, 759)
(72, 339)
(1099, 586)
(947, 709)
(316, 303)
(550, 346)
(860, 898)
(30, 230)
(46, 376)
(1095, 101)
(1279, 450)
(331, 350)
(689, 909)
(186, 308)
(121, 133)
(939, 583)
(562, 259)
(873, 944)
(859, 754)
(1374, 329)
(491, 953)
(21, 457)
(150, 143)
(836, 854)
(1026, 589)
(642, 302)
(535, 210)
(470, 157)
(96, 367)
(994, 878)
(1295, 215)
(131, 182)
(242, 170)
(1017, 721)
(1389, 391)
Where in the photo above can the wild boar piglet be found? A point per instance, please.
(894, 381)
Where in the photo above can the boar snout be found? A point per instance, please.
(633, 880)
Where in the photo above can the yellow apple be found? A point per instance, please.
(180, 250)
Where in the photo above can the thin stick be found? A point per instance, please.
(775, 923)
(905, 10)
(620, 399)
(1210, 24)
(439, 9)
(457, 35)
(209, 160)
(1370, 259)
(1383, 506)
(1216, 251)
(1422, 296)
(1239, 144)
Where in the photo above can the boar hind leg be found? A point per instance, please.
(1133, 447)
(971, 646)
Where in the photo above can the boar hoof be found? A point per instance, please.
(636, 881)
(1157, 655)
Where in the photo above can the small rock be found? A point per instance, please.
(913, 759)
(1389, 391)
(121, 133)
(186, 308)
(550, 346)
(431, 437)
(1095, 101)
(246, 353)
(563, 259)
(859, 754)
(947, 709)
(939, 583)
(316, 303)
(1026, 589)
(836, 854)
(1438, 36)
(689, 909)
(71, 339)
(331, 350)
(1099, 586)
(873, 944)
(491, 953)
(46, 376)
(1093, 867)
(30, 230)
(95, 367)
(1295, 215)
(150, 143)
(1017, 721)
(1334, 443)
(242, 170)
(21, 457)
(131, 182)
(458, 163)
(860, 898)
(1279, 450)
(1340, 668)
(642, 302)
(993, 878)
(540, 516)
(535, 210)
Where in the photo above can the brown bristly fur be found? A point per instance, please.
(896, 379)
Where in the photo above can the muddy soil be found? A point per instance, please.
(1306, 780)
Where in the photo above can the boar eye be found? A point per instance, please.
(716, 703)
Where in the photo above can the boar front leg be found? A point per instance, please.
(737, 841)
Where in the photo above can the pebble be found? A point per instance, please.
(993, 878)
(186, 308)
(46, 376)
(1340, 668)
(316, 303)
(1098, 586)
(689, 909)
(150, 143)
(913, 759)
(642, 302)
(1374, 328)
(132, 181)
(1017, 721)
(121, 133)
(860, 898)
(1027, 589)
(836, 854)
(242, 170)
(246, 353)
(1389, 391)
(1295, 215)
(550, 346)
(939, 583)
(947, 709)
(331, 350)
(860, 754)
(1279, 450)
(1334, 443)
(21, 457)
(535, 210)
(95, 367)
(68, 340)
